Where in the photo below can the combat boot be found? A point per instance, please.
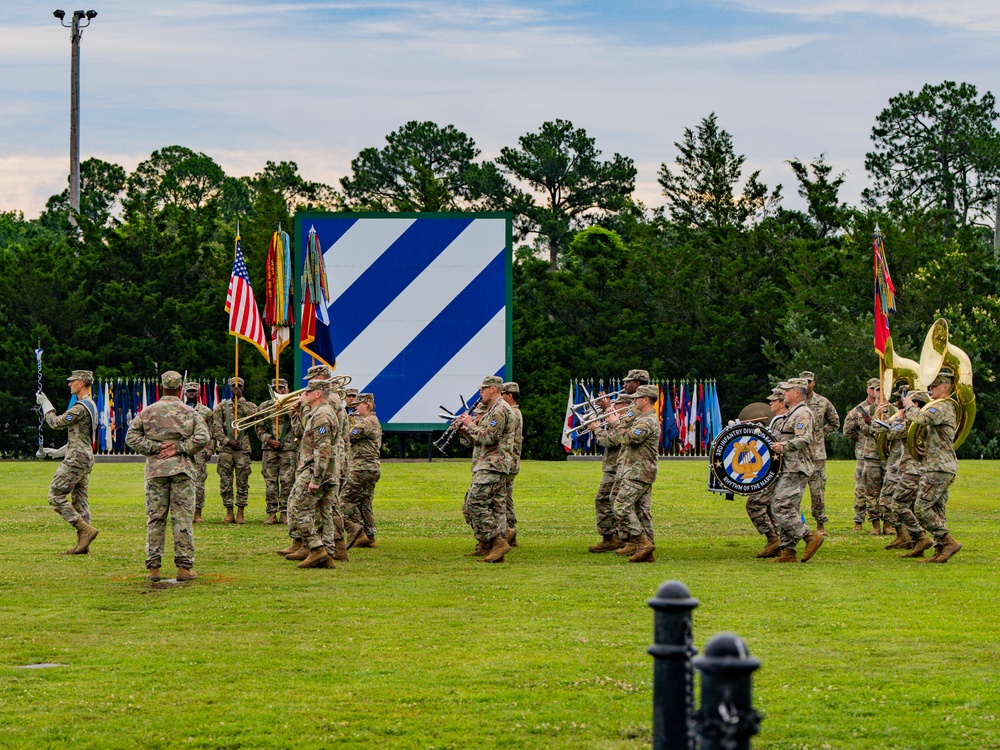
(230, 518)
(948, 548)
(328, 563)
(282, 518)
(300, 554)
(876, 531)
(500, 548)
(512, 537)
(858, 527)
(366, 541)
(627, 550)
(481, 550)
(85, 534)
(357, 532)
(186, 574)
(197, 516)
(935, 556)
(888, 529)
(902, 538)
(293, 547)
(821, 530)
(271, 520)
(339, 551)
(609, 543)
(643, 548)
(921, 542)
(772, 547)
(314, 558)
(786, 555)
(153, 575)
(239, 515)
(813, 542)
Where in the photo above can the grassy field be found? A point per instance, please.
(412, 645)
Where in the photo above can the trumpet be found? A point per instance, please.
(284, 404)
(584, 424)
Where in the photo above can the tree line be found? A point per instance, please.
(721, 281)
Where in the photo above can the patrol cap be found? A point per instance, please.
(351, 392)
(492, 381)
(777, 394)
(640, 375)
(943, 377)
(366, 398)
(84, 376)
(236, 381)
(318, 385)
(647, 391)
(808, 375)
(192, 385)
(511, 387)
(922, 396)
(317, 371)
(171, 380)
(783, 386)
(280, 383)
(873, 383)
(798, 383)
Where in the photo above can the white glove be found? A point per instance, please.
(54, 452)
(42, 400)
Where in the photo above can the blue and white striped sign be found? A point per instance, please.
(419, 307)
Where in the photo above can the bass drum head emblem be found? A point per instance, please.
(742, 458)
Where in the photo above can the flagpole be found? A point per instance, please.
(236, 404)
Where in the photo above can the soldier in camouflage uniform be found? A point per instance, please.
(201, 458)
(638, 463)
(940, 465)
(234, 451)
(366, 469)
(759, 504)
(492, 455)
(893, 429)
(169, 434)
(73, 475)
(795, 447)
(279, 458)
(510, 392)
(858, 427)
(906, 477)
(350, 396)
(317, 481)
(826, 421)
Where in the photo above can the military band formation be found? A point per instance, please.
(321, 464)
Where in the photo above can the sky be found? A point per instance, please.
(315, 82)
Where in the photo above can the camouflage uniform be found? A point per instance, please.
(872, 467)
(314, 509)
(604, 509)
(759, 504)
(232, 460)
(940, 465)
(492, 455)
(73, 475)
(826, 421)
(169, 481)
(277, 464)
(638, 463)
(907, 476)
(796, 438)
(896, 437)
(359, 490)
(201, 458)
(517, 428)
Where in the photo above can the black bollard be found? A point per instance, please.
(726, 719)
(673, 676)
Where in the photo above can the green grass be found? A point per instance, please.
(413, 645)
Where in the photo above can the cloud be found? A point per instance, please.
(972, 15)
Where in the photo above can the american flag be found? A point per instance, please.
(244, 318)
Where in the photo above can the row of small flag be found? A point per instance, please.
(119, 401)
(688, 411)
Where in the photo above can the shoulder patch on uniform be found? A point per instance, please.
(630, 413)
(354, 431)
(933, 410)
(638, 432)
(800, 425)
(322, 430)
(493, 423)
(69, 417)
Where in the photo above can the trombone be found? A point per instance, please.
(283, 404)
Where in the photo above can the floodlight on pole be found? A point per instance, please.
(81, 20)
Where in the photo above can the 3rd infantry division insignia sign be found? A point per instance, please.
(742, 459)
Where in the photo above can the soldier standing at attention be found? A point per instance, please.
(638, 462)
(795, 447)
(169, 435)
(201, 458)
(492, 452)
(826, 421)
(234, 451)
(759, 504)
(280, 457)
(940, 465)
(73, 475)
(366, 468)
(510, 392)
(316, 481)
(868, 472)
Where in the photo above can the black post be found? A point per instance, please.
(402, 445)
(430, 447)
(727, 720)
(673, 676)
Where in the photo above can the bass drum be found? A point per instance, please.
(742, 458)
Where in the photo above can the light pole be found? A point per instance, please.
(74, 103)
